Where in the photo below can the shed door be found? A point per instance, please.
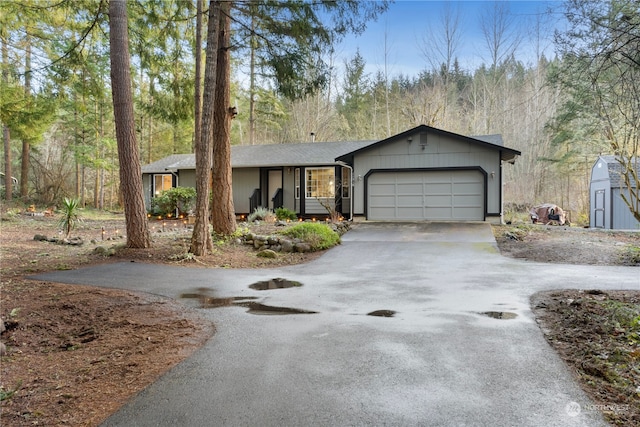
(426, 195)
(598, 211)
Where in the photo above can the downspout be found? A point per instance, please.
(174, 174)
(501, 193)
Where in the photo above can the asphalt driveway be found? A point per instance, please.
(439, 361)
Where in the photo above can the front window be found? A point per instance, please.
(320, 183)
(162, 183)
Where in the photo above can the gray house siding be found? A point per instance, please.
(244, 181)
(187, 178)
(146, 188)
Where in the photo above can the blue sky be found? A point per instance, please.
(407, 23)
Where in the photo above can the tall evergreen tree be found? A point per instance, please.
(201, 241)
(130, 174)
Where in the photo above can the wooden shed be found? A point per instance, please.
(607, 207)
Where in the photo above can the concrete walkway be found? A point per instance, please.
(438, 362)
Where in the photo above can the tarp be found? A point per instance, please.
(548, 213)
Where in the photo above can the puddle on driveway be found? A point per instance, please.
(208, 301)
(277, 283)
(504, 315)
(258, 308)
(382, 313)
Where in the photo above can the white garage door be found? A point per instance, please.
(426, 195)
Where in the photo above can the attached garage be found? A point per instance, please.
(434, 195)
(428, 174)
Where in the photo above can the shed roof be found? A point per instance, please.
(616, 170)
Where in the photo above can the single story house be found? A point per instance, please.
(608, 209)
(421, 174)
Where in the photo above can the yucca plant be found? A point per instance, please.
(70, 215)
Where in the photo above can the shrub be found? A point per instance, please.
(319, 236)
(261, 214)
(177, 198)
(284, 214)
(70, 215)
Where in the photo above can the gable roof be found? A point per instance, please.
(489, 141)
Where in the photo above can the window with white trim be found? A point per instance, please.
(320, 183)
(297, 182)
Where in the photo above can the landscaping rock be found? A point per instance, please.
(267, 253)
(286, 245)
(101, 250)
(302, 247)
(74, 241)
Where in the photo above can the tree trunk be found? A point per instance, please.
(6, 134)
(201, 238)
(128, 156)
(8, 182)
(252, 82)
(26, 147)
(223, 216)
(197, 135)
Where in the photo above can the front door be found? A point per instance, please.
(273, 185)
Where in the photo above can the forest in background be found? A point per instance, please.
(560, 112)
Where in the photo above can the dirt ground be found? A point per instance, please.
(569, 245)
(75, 354)
(598, 335)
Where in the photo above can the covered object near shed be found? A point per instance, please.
(608, 209)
